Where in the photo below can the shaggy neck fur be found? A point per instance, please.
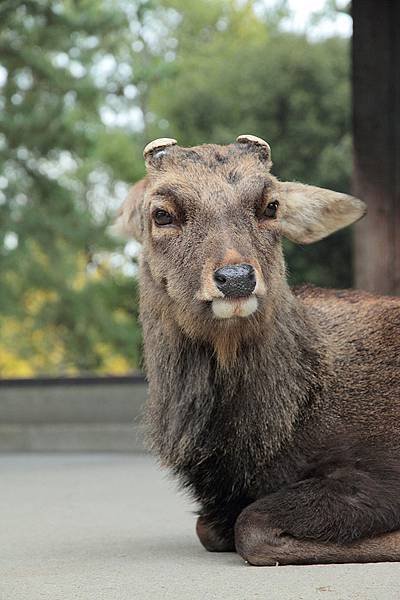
(235, 418)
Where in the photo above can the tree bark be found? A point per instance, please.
(376, 130)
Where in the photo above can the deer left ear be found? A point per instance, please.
(311, 213)
(128, 223)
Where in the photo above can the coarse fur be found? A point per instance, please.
(283, 424)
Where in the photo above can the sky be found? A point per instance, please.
(341, 24)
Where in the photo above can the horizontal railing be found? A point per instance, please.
(81, 380)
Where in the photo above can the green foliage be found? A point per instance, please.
(52, 143)
(83, 86)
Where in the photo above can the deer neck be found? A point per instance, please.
(198, 407)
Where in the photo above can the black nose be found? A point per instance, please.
(235, 281)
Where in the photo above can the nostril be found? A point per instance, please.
(219, 278)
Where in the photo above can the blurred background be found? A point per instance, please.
(84, 85)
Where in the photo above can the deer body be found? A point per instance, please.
(283, 423)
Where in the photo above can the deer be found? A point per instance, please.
(277, 409)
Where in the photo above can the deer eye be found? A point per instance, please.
(162, 217)
(271, 209)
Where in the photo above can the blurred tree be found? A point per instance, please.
(60, 305)
(83, 87)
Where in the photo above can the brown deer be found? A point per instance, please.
(278, 409)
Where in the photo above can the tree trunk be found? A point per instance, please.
(376, 128)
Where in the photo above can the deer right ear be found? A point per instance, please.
(129, 221)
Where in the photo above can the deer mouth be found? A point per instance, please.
(228, 308)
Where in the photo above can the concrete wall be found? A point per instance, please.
(78, 414)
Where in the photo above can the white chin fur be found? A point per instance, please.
(225, 309)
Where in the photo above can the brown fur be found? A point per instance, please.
(249, 412)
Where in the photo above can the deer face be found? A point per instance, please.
(211, 219)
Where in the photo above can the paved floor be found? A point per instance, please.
(112, 527)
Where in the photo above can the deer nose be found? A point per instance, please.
(235, 281)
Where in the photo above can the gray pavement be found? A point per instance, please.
(107, 527)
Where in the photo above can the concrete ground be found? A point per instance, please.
(107, 527)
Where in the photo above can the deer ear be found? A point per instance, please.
(311, 213)
(129, 221)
